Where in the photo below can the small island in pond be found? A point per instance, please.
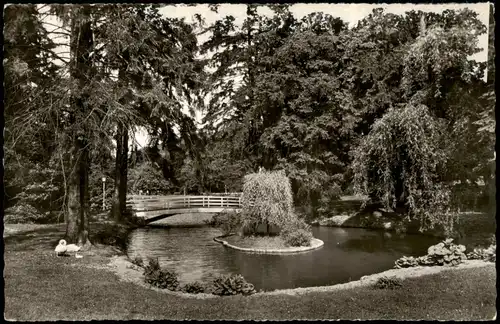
(266, 245)
(267, 222)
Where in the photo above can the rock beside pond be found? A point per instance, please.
(375, 220)
(334, 221)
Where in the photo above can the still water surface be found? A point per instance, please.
(348, 254)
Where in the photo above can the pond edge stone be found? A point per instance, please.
(315, 244)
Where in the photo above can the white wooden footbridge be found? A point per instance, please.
(153, 208)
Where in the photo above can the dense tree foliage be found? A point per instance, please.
(31, 153)
(128, 66)
(332, 105)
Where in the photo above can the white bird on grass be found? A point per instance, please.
(62, 248)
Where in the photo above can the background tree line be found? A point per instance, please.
(392, 107)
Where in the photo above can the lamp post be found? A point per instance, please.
(103, 193)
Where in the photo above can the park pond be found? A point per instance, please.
(348, 254)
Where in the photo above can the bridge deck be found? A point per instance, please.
(153, 208)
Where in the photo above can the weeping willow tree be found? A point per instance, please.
(267, 199)
(406, 159)
(399, 163)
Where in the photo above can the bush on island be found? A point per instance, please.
(298, 237)
(297, 233)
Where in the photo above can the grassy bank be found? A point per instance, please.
(257, 242)
(39, 286)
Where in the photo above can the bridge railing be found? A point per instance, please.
(150, 203)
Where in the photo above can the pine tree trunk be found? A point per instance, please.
(77, 215)
(72, 214)
(83, 234)
(121, 169)
(122, 194)
(115, 202)
(78, 198)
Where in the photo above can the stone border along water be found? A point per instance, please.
(129, 272)
(315, 244)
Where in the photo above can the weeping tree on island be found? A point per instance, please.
(267, 199)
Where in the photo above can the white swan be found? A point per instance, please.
(62, 248)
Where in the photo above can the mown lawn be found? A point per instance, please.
(257, 242)
(39, 286)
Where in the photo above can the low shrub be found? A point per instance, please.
(227, 285)
(194, 288)
(388, 283)
(138, 261)
(407, 262)
(444, 253)
(153, 265)
(228, 222)
(489, 254)
(297, 233)
(154, 275)
(298, 237)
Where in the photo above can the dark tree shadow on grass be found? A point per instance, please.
(39, 239)
(47, 238)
